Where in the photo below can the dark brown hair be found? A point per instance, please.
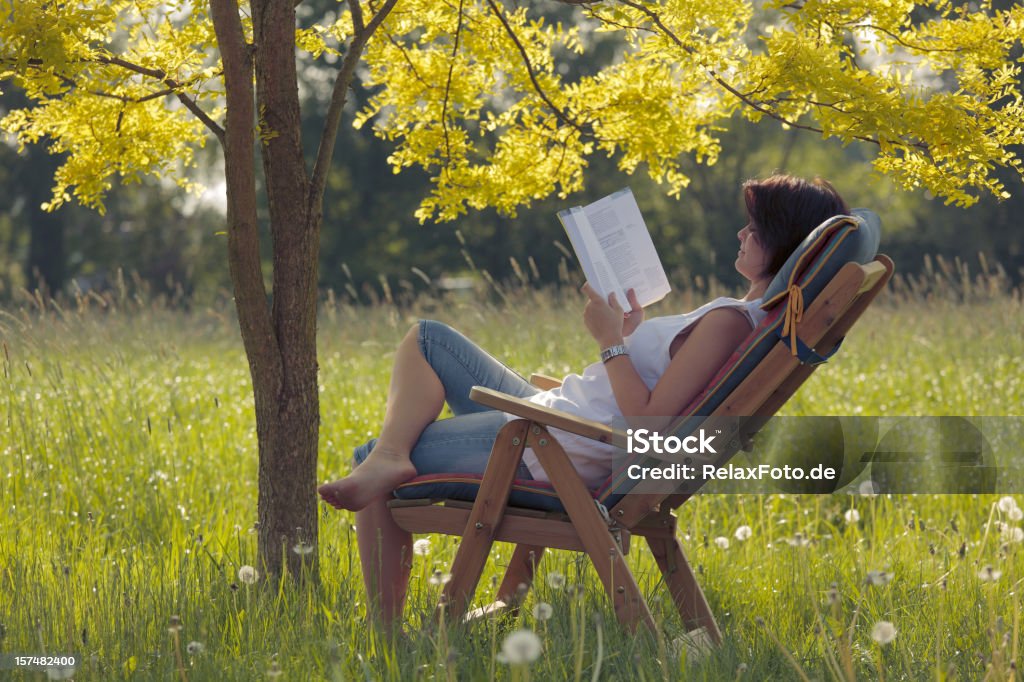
(783, 209)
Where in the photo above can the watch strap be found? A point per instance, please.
(613, 351)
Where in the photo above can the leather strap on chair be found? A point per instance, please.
(794, 313)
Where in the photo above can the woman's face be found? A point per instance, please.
(752, 259)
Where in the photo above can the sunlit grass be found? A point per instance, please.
(128, 490)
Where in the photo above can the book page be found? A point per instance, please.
(622, 237)
(600, 272)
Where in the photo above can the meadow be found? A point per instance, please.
(128, 495)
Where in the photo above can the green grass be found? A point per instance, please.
(128, 494)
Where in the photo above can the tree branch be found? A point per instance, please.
(448, 84)
(357, 16)
(339, 96)
(261, 345)
(756, 106)
(561, 115)
(174, 86)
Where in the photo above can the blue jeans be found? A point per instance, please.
(461, 444)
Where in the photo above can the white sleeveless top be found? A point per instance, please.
(590, 394)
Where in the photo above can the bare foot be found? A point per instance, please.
(378, 475)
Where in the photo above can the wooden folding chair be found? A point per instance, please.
(602, 523)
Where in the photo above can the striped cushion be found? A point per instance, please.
(815, 262)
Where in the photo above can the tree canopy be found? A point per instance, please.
(476, 91)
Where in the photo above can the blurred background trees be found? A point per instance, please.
(175, 244)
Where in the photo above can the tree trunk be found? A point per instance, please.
(290, 422)
(280, 339)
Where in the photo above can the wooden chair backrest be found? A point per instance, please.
(775, 379)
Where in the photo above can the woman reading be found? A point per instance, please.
(647, 368)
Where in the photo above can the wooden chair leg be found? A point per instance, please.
(630, 607)
(520, 571)
(485, 517)
(682, 584)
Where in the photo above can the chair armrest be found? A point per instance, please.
(544, 382)
(548, 416)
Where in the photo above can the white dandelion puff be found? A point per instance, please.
(1013, 534)
(543, 611)
(722, 542)
(1015, 514)
(989, 574)
(851, 516)
(878, 578)
(248, 575)
(798, 540)
(195, 648)
(556, 580)
(868, 488)
(302, 548)
(174, 625)
(883, 632)
(1007, 504)
(743, 533)
(438, 578)
(421, 547)
(521, 647)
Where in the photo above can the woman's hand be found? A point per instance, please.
(633, 317)
(604, 319)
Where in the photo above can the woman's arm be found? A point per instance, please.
(707, 347)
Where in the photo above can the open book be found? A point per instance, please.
(615, 249)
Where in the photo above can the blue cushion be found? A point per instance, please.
(853, 238)
(525, 493)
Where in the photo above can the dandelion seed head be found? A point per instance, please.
(1015, 514)
(543, 611)
(421, 547)
(174, 625)
(248, 575)
(989, 574)
(1012, 534)
(878, 578)
(743, 533)
(302, 548)
(883, 632)
(274, 671)
(851, 516)
(798, 540)
(722, 542)
(1007, 504)
(868, 488)
(438, 578)
(832, 596)
(522, 647)
(556, 580)
(195, 648)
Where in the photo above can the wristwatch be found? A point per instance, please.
(613, 351)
